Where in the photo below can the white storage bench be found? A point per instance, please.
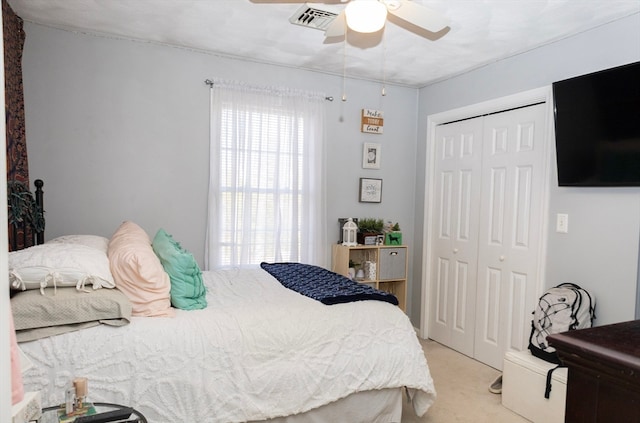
(524, 379)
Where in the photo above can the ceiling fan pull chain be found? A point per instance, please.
(344, 65)
(384, 62)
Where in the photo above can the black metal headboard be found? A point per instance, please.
(26, 214)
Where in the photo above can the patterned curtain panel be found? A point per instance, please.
(17, 164)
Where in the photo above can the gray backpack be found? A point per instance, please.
(560, 309)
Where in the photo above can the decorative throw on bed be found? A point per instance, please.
(323, 285)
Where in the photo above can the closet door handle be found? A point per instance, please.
(502, 258)
(455, 251)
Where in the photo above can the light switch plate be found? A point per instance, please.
(562, 223)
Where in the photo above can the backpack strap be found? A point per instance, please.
(547, 390)
(592, 308)
(575, 307)
(568, 285)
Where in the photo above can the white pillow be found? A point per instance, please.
(59, 264)
(95, 241)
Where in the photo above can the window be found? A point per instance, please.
(267, 187)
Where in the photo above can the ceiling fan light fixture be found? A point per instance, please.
(366, 15)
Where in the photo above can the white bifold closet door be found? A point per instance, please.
(486, 229)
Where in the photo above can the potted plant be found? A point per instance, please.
(368, 230)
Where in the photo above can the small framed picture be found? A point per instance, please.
(371, 156)
(370, 190)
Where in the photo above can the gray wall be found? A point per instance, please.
(119, 130)
(600, 252)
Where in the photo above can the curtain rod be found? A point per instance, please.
(210, 84)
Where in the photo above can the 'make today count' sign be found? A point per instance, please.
(372, 121)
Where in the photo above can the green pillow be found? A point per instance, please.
(187, 289)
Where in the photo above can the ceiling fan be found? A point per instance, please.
(368, 16)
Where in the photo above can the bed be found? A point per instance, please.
(251, 349)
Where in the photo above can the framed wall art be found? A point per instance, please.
(371, 156)
(370, 190)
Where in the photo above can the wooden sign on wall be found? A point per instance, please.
(372, 121)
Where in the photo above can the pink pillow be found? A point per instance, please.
(138, 272)
(17, 388)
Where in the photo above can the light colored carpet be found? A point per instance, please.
(462, 386)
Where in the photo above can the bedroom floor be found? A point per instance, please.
(462, 387)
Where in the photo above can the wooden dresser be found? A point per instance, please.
(603, 383)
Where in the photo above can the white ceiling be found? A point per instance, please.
(481, 32)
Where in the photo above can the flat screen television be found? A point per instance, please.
(597, 125)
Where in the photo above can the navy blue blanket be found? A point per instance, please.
(323, 285)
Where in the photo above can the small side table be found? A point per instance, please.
(50, 414)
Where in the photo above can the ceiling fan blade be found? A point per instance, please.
(299, 1)
(337, 27)
(418, 15)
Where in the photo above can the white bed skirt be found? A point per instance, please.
(381, 406)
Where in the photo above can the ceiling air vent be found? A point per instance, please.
(318, 17)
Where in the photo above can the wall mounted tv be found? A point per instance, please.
(597, 123)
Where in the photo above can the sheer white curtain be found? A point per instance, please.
(266, 184)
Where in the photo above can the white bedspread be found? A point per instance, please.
(257, 351)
